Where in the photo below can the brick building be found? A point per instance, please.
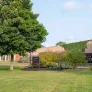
(88, 52)
(7, 57)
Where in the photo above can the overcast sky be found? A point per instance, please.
(65, 20)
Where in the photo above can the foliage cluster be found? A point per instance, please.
(91, 68)
(20, 31)
(75, 54)
(50, 58)
(75, 47)
(74, 59)
(63, 60)
(61, 43)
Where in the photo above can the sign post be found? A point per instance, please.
(35, 61)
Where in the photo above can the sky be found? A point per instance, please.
(65, 20)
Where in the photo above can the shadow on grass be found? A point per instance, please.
(80, 71)
(84, 72)
(40, 69)
(7, 67)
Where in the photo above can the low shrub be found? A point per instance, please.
(91, 68)
(50, 59)
(23, 59)
(74, 59)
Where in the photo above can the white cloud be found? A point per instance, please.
(70, 39)
(71, 5)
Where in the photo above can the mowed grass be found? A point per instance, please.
(45, 81)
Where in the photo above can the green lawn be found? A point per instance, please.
(45, 81)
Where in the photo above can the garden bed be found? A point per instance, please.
(41, 69)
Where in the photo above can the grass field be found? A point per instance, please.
(45, 81)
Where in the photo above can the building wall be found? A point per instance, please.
(4, 58)
(47, 49)
(89, 47)
(88, 52)
(35, 53)
(7, 57)
(17, 57)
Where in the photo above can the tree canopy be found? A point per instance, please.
(20, 31)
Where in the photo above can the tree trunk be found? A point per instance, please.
(74, 66)
(60, 65)
(31, 65)
(11, 62)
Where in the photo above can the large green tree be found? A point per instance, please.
(20, 31)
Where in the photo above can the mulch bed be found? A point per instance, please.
(40, 69)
